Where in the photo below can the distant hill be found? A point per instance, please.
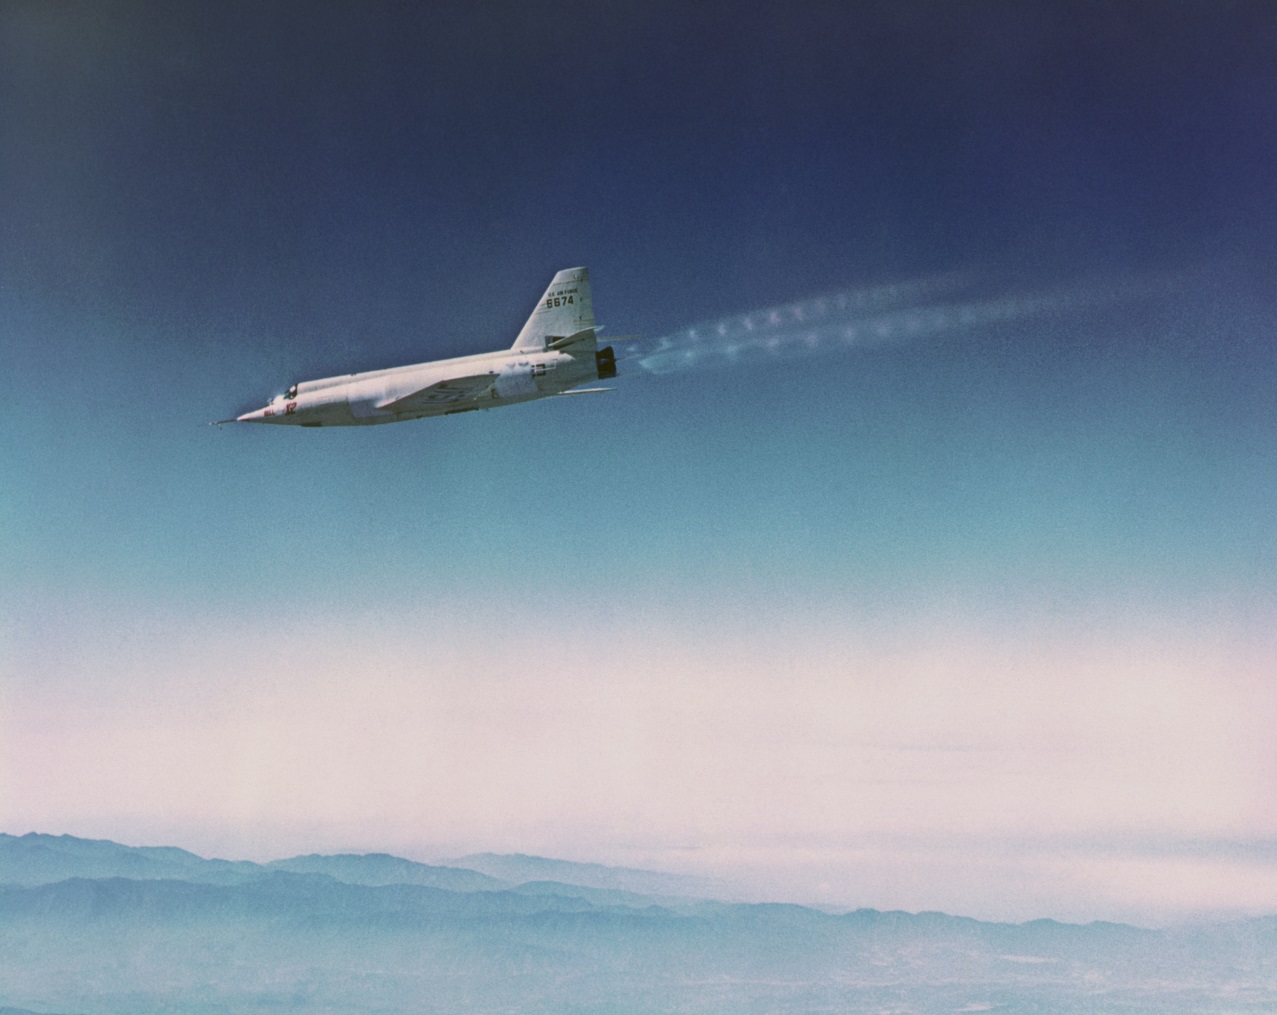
(275, 898)
(382, 869)
(519, 868)
(36, 859)
(604, 897)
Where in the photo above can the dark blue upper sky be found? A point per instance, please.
(202, 203)
(191, 168)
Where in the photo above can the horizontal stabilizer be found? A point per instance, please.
(561, 343)
(585, 391)
(455, 389)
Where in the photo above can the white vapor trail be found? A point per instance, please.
(872, 316)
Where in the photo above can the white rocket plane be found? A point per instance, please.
(555, 353)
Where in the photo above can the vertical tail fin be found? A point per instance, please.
(564, 310)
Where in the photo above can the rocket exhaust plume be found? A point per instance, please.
(878, 315)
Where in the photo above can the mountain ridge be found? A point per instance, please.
(522, 868)
(40, 858)
(311, 942)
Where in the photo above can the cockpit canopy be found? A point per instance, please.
(291, 392)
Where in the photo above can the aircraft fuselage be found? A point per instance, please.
(556, 351)
(367, 398)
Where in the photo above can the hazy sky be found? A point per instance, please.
(967, 602)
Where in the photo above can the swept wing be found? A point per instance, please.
(454, 389)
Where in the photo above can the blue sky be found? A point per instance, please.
(845, 625)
